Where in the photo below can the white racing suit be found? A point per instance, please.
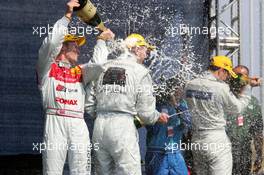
(121, 92)
(63, 96)
(209, 100)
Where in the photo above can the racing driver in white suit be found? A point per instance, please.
(62, 84)
(123, 91)
(209, 99)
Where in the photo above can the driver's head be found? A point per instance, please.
(243, 74)
(137, 44)
(241, 70)
(70, 47)
(223, 66)
(238, 84)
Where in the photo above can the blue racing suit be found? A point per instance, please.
(163, 155)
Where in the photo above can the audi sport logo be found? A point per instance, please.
(65, 101)
(60, 88)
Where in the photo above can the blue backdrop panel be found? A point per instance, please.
(21, 120)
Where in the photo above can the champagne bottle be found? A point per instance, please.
(137, 122)
(88, 14)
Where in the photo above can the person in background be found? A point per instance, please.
(244, 128)
(164, 155)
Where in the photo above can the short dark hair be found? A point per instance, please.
(243, 67)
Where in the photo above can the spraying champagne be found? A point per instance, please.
(88, 14)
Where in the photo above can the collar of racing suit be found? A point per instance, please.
(65, 64)
(128, 56)
(209, 76)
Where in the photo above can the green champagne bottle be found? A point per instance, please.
(88, 14)
(137, 122)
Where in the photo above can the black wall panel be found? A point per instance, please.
(21, 120)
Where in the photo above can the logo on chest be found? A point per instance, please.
(66, 75)
(66, 101)
(62, 88)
